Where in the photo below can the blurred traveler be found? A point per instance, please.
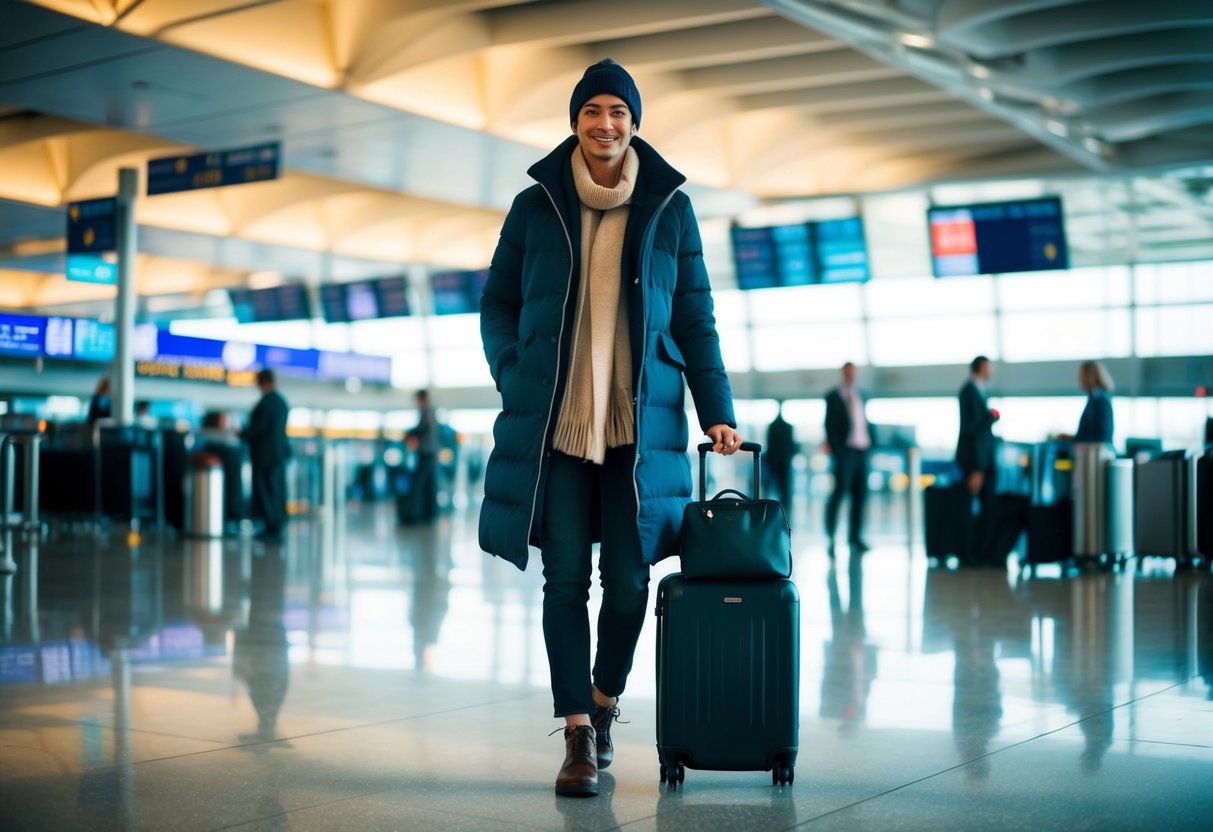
(423, 438)
(779, 453)
(848, 440)
(143, 414)
(596, 307)
(975, 454)
(1095, 424)
(100, 406)
(269, 452)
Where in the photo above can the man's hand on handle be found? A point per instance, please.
(976, 480)
(725, 440)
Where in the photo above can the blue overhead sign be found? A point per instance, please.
(213, 170)
(92, 237)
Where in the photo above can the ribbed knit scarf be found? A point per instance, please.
(596, 413)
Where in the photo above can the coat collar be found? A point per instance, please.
(657, 178)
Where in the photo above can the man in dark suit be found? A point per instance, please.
(848, 440)
(268, 453)
(975, 453)
(779, 452)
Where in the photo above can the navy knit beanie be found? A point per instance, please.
(606, 76)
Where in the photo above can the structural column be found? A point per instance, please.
(124, 308)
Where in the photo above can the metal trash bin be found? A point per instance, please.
(1090, 502)
(1118, 493)
(204, 509)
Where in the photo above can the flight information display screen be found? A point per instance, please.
(288, 302)
(364, 300)
(458, 293)
(22, 335)
(998, 237)
(841, 250)
(332, 303)
(822, 251)
(94, 340)
(392, 295)
(774, 256)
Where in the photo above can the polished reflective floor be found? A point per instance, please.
(364, 677)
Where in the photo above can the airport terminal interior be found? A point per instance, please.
(908, 209)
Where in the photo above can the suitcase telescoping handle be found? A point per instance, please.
(753, 447)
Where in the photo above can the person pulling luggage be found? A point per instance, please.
(596, 307)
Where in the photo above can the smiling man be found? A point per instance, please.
(596, 308)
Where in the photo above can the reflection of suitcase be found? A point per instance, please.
(948, 514)
(728, 676)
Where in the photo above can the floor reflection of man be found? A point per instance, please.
(1093, 663)
(978, 611)
(260, 654)
(431, 592)
(850, 662)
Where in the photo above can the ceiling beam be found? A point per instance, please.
(1076, 23)
(792, 73)
(907, 115)
(723, 43)
(586, 21)
(860, 95)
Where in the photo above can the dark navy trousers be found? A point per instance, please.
(576, 491)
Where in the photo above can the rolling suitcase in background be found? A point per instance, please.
(728, 648)
(1051, 511)
(1204, 503)
(948, 517)
(1165, 509)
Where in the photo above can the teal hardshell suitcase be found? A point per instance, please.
(728, 677)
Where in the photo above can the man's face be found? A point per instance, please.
(848, 374)
(985, 371)
(604, 128)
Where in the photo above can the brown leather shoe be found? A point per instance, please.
(579, 775)
(601, 720)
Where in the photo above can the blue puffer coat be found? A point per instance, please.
(526, 315)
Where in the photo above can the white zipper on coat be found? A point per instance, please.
(555, 373)
(644, 342)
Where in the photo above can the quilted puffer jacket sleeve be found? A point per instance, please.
(693, 326)
(501, 302)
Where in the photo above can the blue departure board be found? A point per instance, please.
(392, 295)
(288, 302)
(94, 340)
(22, 335)
(998, 237)
(829, 251)
(364, 300)
(332, 303)
(841, 251)
(213, 170)
(458, 293)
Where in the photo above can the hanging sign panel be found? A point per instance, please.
(92, 237)
(213, 170)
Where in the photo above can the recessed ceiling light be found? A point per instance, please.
(979, 70)
(916, 40)
(986, 93)
(1057, 128)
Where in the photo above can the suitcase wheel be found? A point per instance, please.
(672, 775)
(783, 775)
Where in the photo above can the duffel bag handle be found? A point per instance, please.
(753, 447)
